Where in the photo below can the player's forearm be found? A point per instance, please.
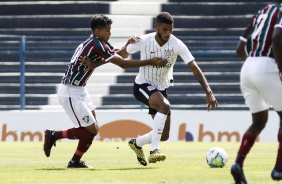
(241, 50)
(133, 63)
(122, 52)
(202, 80)
(200, 77)
(97, 63)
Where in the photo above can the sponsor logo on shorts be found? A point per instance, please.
(151, 88)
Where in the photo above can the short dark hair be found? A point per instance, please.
(164, 17)
(99, 21)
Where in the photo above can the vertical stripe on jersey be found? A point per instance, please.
(148, 56)
(260, 45)
(77, 74)
(152, 74)
(267, 50)
(257, 24)
(85, 77)
(256, 40)
(266, 33)
(150, 69)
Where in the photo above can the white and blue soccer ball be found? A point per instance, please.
(216, 157)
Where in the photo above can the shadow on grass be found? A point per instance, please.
(52, 169)
(125, 169)
(112, 169)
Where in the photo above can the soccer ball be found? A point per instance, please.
(216, 157)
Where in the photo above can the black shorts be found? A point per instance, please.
(142, 92)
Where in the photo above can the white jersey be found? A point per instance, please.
(159, 77)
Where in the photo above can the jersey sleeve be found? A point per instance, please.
(249, 29)
(135, 47)
(111, 52)
(102, 49)
(184, 52)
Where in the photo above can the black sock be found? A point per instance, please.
(76, 158)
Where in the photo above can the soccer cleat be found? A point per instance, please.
(238, 174)
(156, 156)
(276, 175)
(139, 152)
(49, 141)
(78, 164)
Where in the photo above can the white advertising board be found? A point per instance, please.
(197, 126)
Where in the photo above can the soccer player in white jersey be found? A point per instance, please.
(151, 83)
(260, 83)
(72, 93)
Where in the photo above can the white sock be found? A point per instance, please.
(159, 122)
(144, 139)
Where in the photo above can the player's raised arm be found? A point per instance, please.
(122, 52)
(124, 63)
(210, 98)
(137, 63)
(86, 61)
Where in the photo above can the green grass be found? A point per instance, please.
(115, 162)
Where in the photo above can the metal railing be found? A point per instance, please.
(23, 49)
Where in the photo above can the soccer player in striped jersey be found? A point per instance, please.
(152, 82)
(260, 84)
(72, 93)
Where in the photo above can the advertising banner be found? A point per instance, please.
(121, 125)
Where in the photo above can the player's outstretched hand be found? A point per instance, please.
(134, 39)
(211, 101)
(156, 61)
(86, 61)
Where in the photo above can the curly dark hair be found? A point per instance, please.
(99, 21)
(164, 17)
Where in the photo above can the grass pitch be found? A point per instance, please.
(115, 162)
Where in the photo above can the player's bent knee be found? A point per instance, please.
(165, 109)
(92, 129)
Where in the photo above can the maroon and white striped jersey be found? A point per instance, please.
(160, 77)
(77, 74)
(258, 34)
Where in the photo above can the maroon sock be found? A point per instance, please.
(85, 140)
(278, 164)
(247, 143)
(60, 134)
(76, 133)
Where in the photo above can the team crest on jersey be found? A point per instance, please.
(168, 53)
(151, 88)
(86, 119)
(76, 82)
